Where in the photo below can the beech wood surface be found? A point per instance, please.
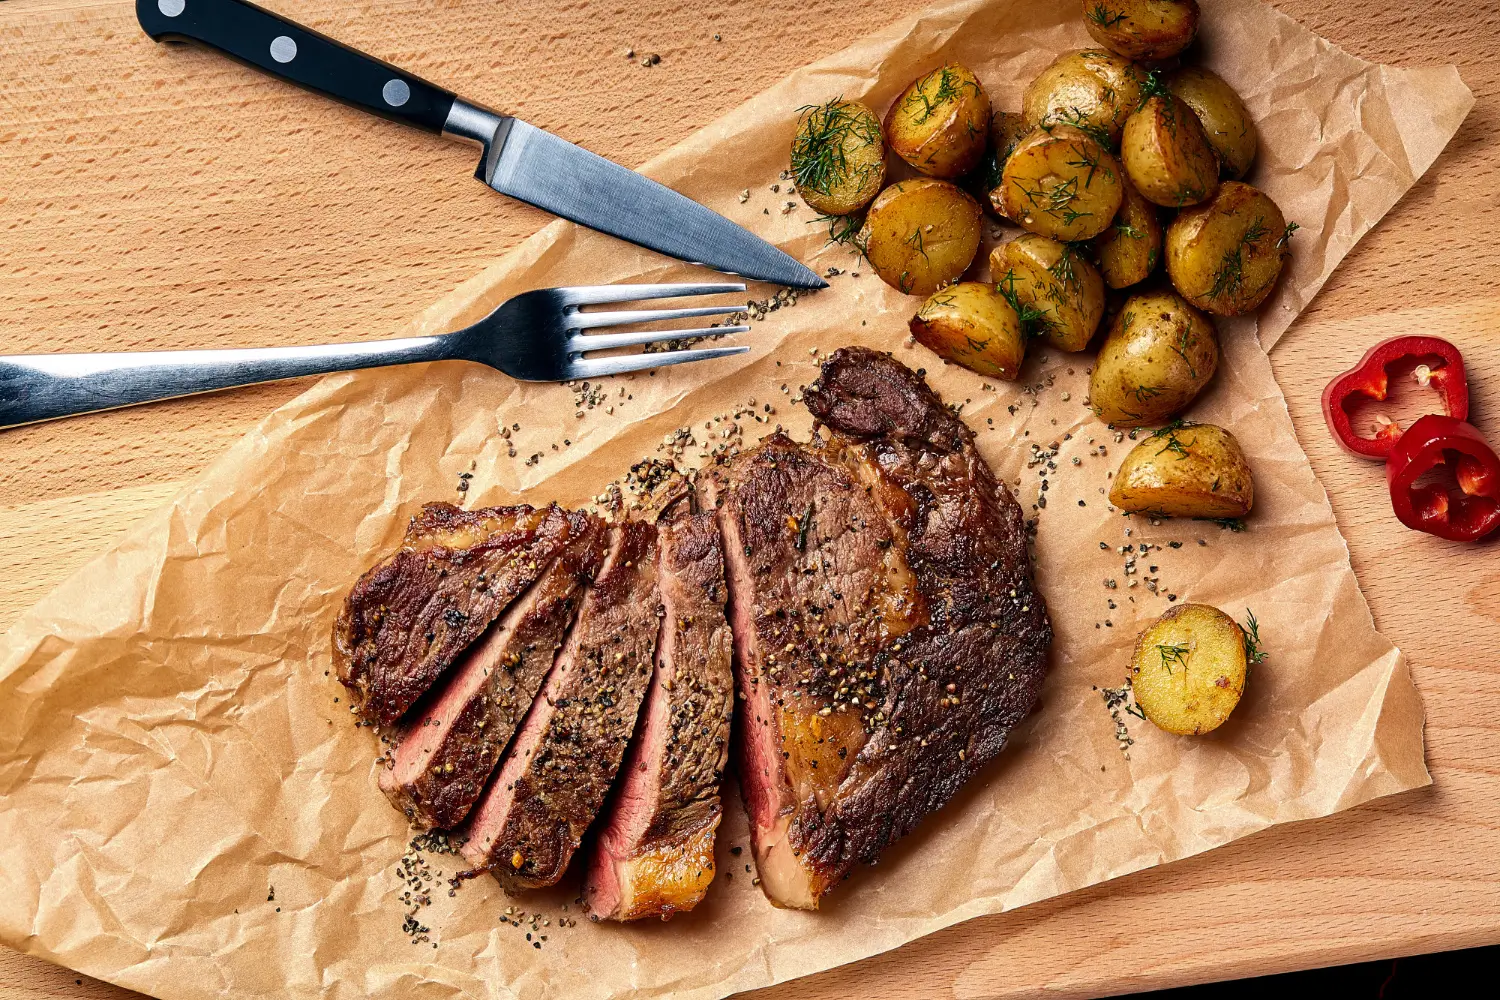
(197, 203)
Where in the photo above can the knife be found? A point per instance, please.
(518, 159)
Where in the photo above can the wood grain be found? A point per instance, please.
(167, 199)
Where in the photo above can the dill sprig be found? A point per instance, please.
(819, 162)
(1171, 655)
(1229, 279)
(1033, 320)
(950, 87)
(844, 230)
(1286, 236)
(1234, 524)
(1173, 443)
(1251, 631)
(1103, 16)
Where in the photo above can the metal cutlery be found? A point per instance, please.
(518, 159)
(538, 336)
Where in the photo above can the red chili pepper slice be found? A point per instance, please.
(1432, 441)
(1441, 367)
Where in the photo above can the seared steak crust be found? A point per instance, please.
(408, 617)
(554, 780)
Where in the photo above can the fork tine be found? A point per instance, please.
(589, 320)
(605, 341)
(593, 295)
(598, 367)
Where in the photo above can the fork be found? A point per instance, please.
(536, 336)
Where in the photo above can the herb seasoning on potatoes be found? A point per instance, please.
(1225, 256)
(1166, 154)
(921, 234)
(940, 124)
(973, 325)
(1090, 89)
(1186, 470)
(1159, 354)
(1226, 123)
(1054, 285)
(1062, 183)
(838, 156)
(1149, 30)
(1189, 668)
(1130, 249)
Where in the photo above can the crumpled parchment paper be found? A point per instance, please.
(187, 809)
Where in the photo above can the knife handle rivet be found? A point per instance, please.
(396, 93)
(283, 49)
(171, 8)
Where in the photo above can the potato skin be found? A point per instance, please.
(1224, 256)
(1188, 670)
(1166, 154)
(972, 325)
(838, 157)
(1229, 128)
(1149, 30)
(1130, 248)
(1056, 281)
(940, 124)
(921, 234)
(1060, 182)
(1007, 129)
(1092, 89)
(1159, 354)
(1196, 470)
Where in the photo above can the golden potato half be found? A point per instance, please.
(1189, 668)
(1159, 354)
(1130, 249)
(1150, 30)
(940, 124)
(1053, 286)
(971, 324)
(1196, 470)
(838, 156)
(921, 234)
(1060, 183)
(1225, 256)
(1167, 155)
(1226, 123)
(1090, 89)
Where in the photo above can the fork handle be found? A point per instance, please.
(36, 387)
(299, 55)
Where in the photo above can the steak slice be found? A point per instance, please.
(888, 634)
(655, 851)
(408, 617)
(559, 769)
(450, 750)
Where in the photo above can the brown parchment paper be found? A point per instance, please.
(172, 749)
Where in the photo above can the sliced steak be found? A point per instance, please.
(454, 743)
(554, 780)
(408, 617)
(655, 851)
(888, 634)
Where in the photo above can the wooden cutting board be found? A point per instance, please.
(204, 205)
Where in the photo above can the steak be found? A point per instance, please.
(449, 752)
(888, 634)
(408, 617)
(554, 780)
(655, 851)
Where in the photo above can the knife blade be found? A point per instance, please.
(517, 159)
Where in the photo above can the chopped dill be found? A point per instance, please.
(1234, 524)
(1142, 393)
(950, 88)
(844, 230)
(1286, 237)
(1033, 320)
(1171, 655)
(1229, 279)
(819, 159)
(1103, 16)
(1251, 631)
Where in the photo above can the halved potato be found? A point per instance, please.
(1060, 182)
(971, 324)
(921, 234)
(1053, 286)
(940, 124)
(1091, 89)
(1229, 127)
(1167, 155)
(838, 156)
(1225, 256)
(1193, 470)
(1150, 30)
(1189, 667)
(1130, 249)
(1159, 354)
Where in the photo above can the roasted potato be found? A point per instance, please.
(1060, 182)
(1052, 286)
(1090, 89)
(1189, 667)
(1166, 154)
(1226, 123)
(972, 324)
(1149, 30)
(838, 156)
(1130, 249)
(1225, 256)
(1191, 470)
(940, 124)
(921, 234)
(1159, 353)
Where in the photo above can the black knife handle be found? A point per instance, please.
(300, 55)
